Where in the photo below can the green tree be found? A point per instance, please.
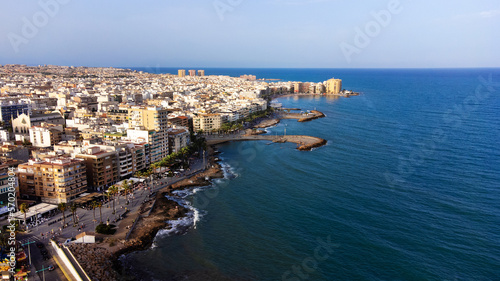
(99, 205)
(24, 208)
(126, 189)
(73, 208)
(113, 190)
(62, 207)
(94, 205)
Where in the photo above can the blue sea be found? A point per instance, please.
(407, 188)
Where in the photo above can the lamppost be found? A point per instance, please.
(43, 271)
(29, 249)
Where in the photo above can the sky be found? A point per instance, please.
(252, 33)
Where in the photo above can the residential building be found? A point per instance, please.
(4, 135)
(300, 87)
(320, 88)
(207, 122)
(46, 135)
(71, 133)
(177, 139)
(102, 167)
(201, 72)
(145, 139)
(5, 186)
(333, 86)
(87, 102)
(152, 119)
(192, 72)
(11, 109)
(182, 73)
(118, 115)
(52, 180)
(17, 152)
(130, 156)
(180, 121)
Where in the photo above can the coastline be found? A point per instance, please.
(163, 211)
(288, 95)
(153, 217)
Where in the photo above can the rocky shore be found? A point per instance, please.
(267, 123)
(95, 260)
(153, 216)
(302, 117)
(101, 261)
(164, 210)
(315, 115)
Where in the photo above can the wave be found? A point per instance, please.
(194, 216)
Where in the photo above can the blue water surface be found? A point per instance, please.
(407, 188)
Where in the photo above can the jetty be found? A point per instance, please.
(302, 117)
(267, 123)
(305, 143)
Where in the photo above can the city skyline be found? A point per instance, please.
(257, 34)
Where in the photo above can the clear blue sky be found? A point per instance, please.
(250, 33)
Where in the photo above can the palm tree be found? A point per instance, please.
(62, 207)
(94, 205)
(24, 209)
(99, 205)
(185, 151)
(126, 189)
(155, 166)
(112, 191)
(117, 193)
(108, 195)
(73, 208)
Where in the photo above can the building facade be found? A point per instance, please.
(24, 122)
(178, 139)
(154, 120)
(102, 167)
(52, 180)
(46, 136)
(11, 109)
(207, 122)
(333, 86)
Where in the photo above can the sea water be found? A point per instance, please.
(407, 188)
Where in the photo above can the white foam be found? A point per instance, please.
(228, 171)
(193, 216)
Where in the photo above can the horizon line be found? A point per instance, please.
(235, 67)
